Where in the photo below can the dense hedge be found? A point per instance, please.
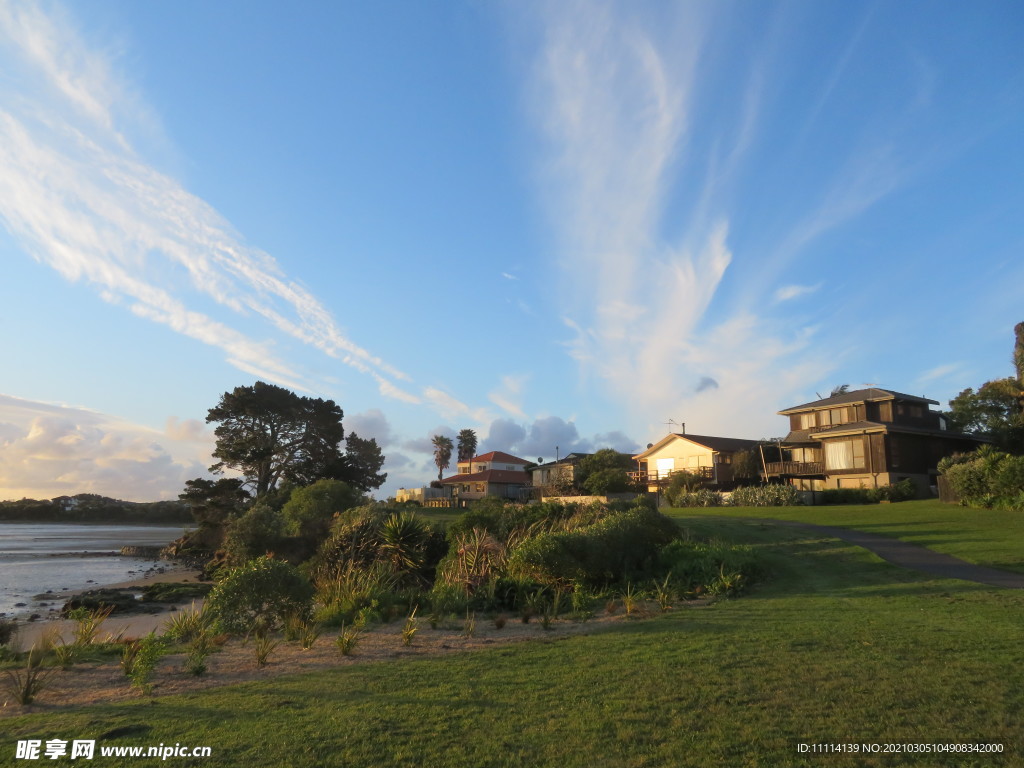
(986, 478)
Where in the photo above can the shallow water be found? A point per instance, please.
(58, 557)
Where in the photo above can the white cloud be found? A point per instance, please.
(787, 292)
(453, 408)
(77, 196)
(938, 373)
(49, 450)
(615, 98)
(508, 395)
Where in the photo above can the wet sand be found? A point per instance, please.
(132, 625)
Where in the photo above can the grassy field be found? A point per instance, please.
(833, 645)
(984, 536)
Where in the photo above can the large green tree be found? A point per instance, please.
(996, 409)
(269, 434)
(467, 444)
(609, 470)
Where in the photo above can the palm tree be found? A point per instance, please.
(467, 444)
(442, 453)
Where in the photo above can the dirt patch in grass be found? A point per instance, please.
(91, 683)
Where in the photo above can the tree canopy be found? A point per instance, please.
(467, 444)
(270, 435)
(996, 409)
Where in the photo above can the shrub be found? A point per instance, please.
(611, 550)
(139, 659)
(846, 496)
(703, 497)
(309, 509)
(766, 496)
(1008, 479)
(258, 596)
(604, 481)
(700, 566)
(200, 647)
(680, 484)
(968, 481)
(259, 531)
(904, 490)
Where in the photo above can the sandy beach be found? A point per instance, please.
(132, 625)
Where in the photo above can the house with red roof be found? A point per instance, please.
(490, 474)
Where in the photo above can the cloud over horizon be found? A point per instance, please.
(49, 450)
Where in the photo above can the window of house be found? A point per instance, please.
(807, 421)
(911, 411)
(666, 467)
(894, 453)
(480, 487)
(844, 454)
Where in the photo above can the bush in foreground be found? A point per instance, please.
(259, 595)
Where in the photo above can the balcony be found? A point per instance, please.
(661, 478)
(796, 468)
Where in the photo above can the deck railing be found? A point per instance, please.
(660, 477)
(796, 468)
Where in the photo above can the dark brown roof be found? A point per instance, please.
(857, 396)
(721, 443)
(491, 476)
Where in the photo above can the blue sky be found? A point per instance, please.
(555, 223)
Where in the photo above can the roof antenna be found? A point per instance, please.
(681, 425)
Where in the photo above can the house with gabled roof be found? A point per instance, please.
(562, 470)
(865, 438)
(708, 457)
(491, 474)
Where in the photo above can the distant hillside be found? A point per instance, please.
(90, 508)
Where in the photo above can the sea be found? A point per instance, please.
(41, 562)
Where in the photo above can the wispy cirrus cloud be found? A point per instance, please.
(788, 292)
(75, 194)
(616, 100)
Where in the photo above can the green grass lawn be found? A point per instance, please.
(833, 646)
(984, 536)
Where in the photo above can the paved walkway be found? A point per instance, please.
(915, 557)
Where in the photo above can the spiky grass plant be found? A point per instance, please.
(88, 623)
(499, 621)
(25, 684)
(663, 593)
(309, 633)
(348, 639)
(630, 599)
(263, 646)
(186, 625)
(469, 628)
(410, 628)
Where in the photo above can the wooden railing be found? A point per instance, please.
(654, 476)
(796, 468)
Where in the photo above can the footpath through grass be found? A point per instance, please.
(987, 537)
(835, 646)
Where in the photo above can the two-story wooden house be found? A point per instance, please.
(865, 439)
